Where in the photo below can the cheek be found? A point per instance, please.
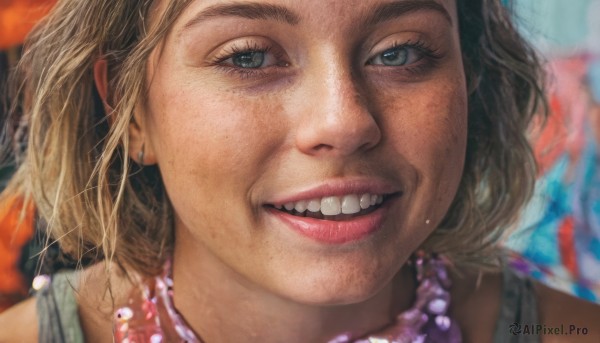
(446, 136)
(210, 145)
(426, 125)
(428, 130)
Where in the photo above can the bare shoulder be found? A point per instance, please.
(16, 323)
(476, 303)
(575, 319)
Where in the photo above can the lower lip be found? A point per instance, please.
(332, 231)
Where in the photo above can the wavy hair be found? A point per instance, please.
(73, 160)
(505, 81)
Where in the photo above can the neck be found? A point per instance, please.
(222, 305)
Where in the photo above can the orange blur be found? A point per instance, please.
(17, 17)
(15, 232)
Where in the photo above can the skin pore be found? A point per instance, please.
(249, 104)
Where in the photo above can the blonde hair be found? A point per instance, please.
(76, 166)
(99, 205)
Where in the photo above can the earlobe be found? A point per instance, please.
(140, 148)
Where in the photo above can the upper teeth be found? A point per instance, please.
(334, 205)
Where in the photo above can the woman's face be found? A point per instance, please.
(308, 147)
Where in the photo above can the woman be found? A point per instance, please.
(283, 162)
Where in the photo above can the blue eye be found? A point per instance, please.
(398, 56)
(394, 57)
(249, 59)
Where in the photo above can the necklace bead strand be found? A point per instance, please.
(150, 315)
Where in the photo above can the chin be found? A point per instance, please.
(332, 286)
(332, 296)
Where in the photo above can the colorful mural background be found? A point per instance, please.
(560, 231)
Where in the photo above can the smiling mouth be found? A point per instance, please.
(335, 208)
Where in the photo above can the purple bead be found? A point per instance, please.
(343, 338)
(438, 306)
(156, 338)
(436, 335)
(443, 277)
(375, 339)
(443, 322)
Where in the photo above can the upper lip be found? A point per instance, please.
(338, 187)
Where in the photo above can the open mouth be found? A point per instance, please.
(335, 208)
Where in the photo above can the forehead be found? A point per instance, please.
(328, 15)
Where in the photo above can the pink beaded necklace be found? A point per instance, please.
(150, 315)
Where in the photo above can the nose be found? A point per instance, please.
(335, 119)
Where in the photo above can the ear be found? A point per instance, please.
(101, 81)
(139, 149)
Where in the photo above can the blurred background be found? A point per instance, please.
(19, 245)
(560, 230)
(557, 239)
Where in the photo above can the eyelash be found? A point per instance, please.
(420, 46)
(430, 56)
(428, 59)
(233, 50)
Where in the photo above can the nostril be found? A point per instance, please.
(323, 147)
(366, 146)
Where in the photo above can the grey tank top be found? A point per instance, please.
(59, 319)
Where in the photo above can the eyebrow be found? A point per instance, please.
(247, 11)
(258, 11)
(393, 10)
